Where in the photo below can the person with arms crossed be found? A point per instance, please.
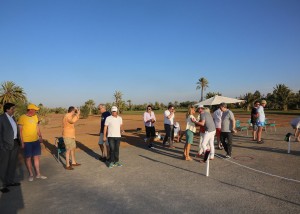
(9, 147)
(169, 116)
(149, 120)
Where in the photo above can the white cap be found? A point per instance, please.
(200, 106)
(114, 108)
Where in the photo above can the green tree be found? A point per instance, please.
(129, 104)
(250, 99)
(119, 102)
(202, 84)
(212, 94)
(90, 104)
(10, 92)
(282, 96)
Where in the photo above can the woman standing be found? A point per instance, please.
(149, 120)
(190, 130)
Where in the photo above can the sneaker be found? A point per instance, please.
(111, 165)
(30, 178)
(228, 156)
(41, 177)
(118, 164)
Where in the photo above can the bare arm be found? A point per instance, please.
(104, 133)
(21, 135)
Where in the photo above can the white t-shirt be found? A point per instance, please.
(217, 116)
(261, 117)
(114, 126)
(167, 120)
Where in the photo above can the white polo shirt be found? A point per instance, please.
(114, 126)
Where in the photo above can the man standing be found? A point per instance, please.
(104, 146)
(112, 129)
(9, 147)
(149, 120)
(207, 121)
(31, 139)
(169, 116)
(69, 135)
(227, 128)
(254, 116)
(261, 121)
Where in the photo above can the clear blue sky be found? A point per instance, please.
(65, 52)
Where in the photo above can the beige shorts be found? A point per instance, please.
(70, 143)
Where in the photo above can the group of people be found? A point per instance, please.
(222, 125)
(258, 120)
(24, 133)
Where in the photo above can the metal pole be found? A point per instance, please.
(289, 145)
(207, 167)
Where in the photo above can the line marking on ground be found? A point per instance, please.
(259, 171)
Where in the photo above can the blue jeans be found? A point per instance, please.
(114, 146)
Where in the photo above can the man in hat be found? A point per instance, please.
(9, 147)
(112, 131)
(31, 139)
(261, 120)
(206, 120)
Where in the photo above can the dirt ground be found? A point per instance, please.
(87, 130)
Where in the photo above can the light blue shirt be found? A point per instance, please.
(13, 125)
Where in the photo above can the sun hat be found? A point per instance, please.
(114, 108)
(32, 106)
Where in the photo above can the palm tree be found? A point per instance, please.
(90, 104)
(212, 94)
(118, 101)
(10, 92)
(282, 96)
(202, 84)
(129, 104)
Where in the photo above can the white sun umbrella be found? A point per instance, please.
(216, 100)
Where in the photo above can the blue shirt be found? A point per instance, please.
(103, 118)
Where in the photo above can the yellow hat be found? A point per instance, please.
(32, 106)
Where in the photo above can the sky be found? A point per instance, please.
(65, 52)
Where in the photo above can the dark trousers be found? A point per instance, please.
(8, 164)
(169, 129)
(226, 144)
(114, 146)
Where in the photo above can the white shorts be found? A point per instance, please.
(101, 140)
